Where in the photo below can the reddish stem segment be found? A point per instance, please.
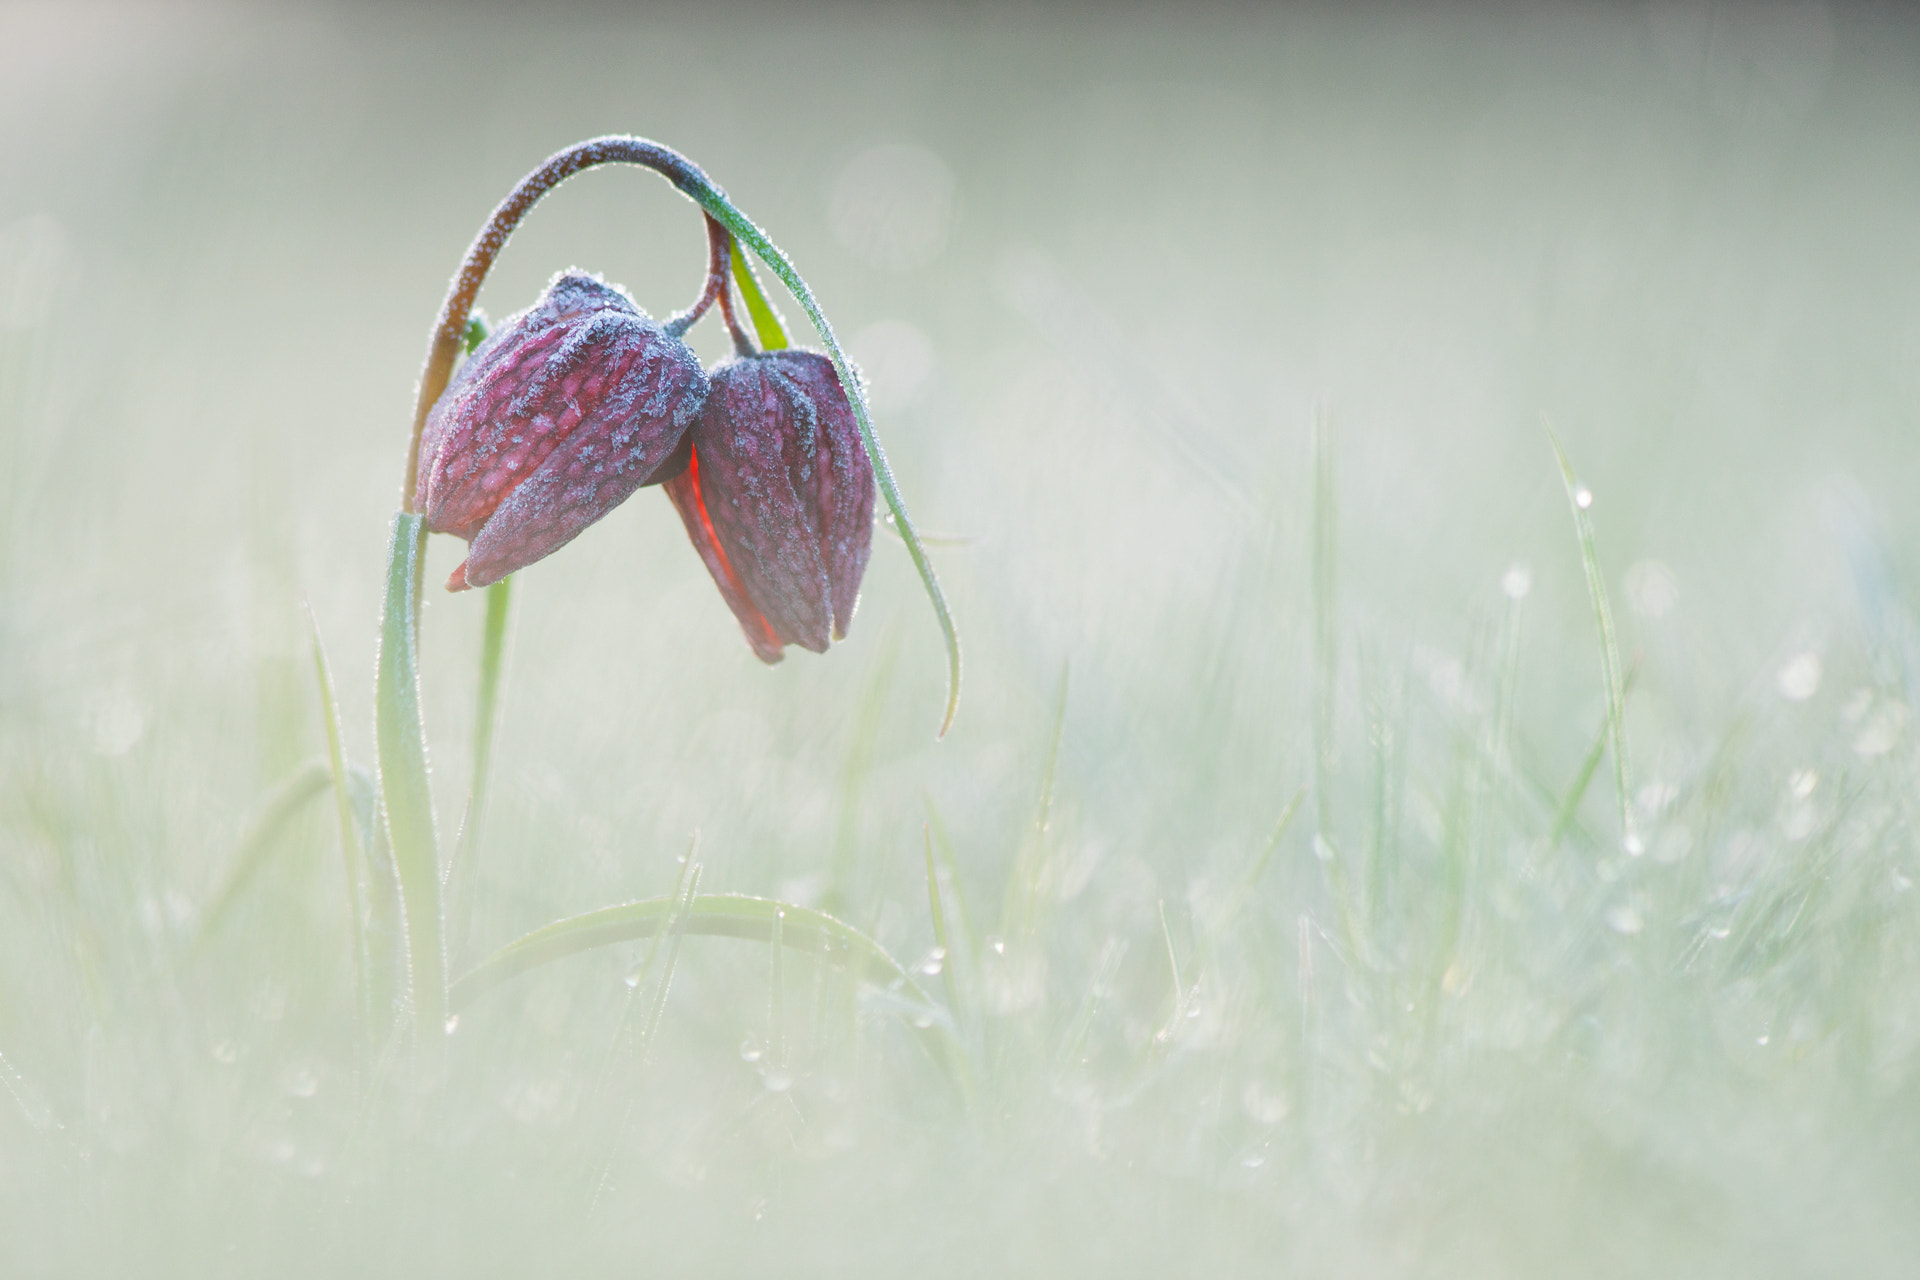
(450, 330)
(719, 287)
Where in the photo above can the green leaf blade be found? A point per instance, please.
(406, 798)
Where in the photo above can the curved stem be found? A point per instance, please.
(719, 254)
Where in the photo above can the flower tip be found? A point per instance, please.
(457, 581)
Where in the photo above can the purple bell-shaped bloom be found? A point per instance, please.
(777, 496)
(555, 421)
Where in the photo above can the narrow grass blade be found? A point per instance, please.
(350, 854)
(715, 202)
(1579, 499)
(843, 897)
(1324, 653)
(942, 939)
(1244, 890)
(943, 850)
(776, 994)
(1569, 809)
(1326, 672)
(1021, 901)
(767, 325)
(280, 807)
(728, 915)
(674, 932)
(493, 656)
(461, 871)
(405, 797)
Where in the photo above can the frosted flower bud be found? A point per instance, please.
(778, 498)
(556, 419)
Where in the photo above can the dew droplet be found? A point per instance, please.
(1517, 581)
(1625, 919)
(776, 1080)
(1583, 497)
(999, 945)
(1799, 679)
(933, 962)
(749, 1051)
(453, 1020)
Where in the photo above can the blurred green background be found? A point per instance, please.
(1106, 269)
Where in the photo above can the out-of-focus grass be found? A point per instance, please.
(1440, 1022)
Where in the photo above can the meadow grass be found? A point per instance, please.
(1381, 835)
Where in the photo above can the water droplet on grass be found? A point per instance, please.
(1799, 679)
(1625, 919)
(1517, 581)
(933, 962)
(749, 1051)
(1583, 497)
(776, 1080)
(453, 1020)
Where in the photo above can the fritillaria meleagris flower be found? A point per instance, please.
(555, 420)
(778, 498)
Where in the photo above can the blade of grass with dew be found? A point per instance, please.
(776, 994)
(949, 961)
(715, 202)
(350, 852)
(674, 933)
(943, 849)
(405, 796)
(1021, 905)
(618, 1043)
(461, 871)
(1579, 499)
(671, 934)
(1325, 683)
(728, 915)
(841, 893)
(271, 817)
(1566, 817)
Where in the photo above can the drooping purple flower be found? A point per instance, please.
(555, 421)
(778, 498)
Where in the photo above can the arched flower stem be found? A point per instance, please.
(719, 260)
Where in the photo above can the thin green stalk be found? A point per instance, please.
(407, 799)
(288, 799)
(1579, 499)
(461, 869)
(350, 857)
